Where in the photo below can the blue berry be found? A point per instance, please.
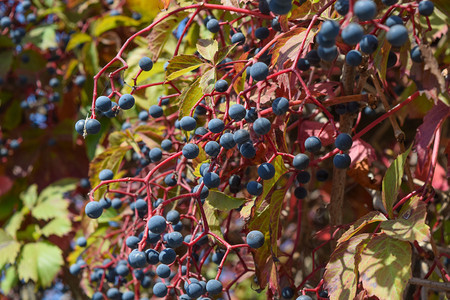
(166, 144)
(173, 216)
(132, 242)
(84, 183)
(204, 168)
(155, 111)
(80, 80)
(160, 289)
(416, 55)
(397, 35)
(276, 24)
(300, 161)
(116, 203)
(255, 239)
(313, 144)
(190, 151)
(163, 271)
(188, 123)
(300, 192)
(280, 7)
(261, 126)
(170, 180)
(103, 104)
(201, 131)
(143, 115)
(324, 42)
(145, 64)
(216, 125)
(112, 112)
(313, 57)
(74, 269)
(238, 38)
(194, 290)
(54, 82)
(365, 10)
(352, 34)
(266, 171)
(81, 241)
(327, 54)
(106, 174)
(157, 224)
(389, 2)
(5, 22)
(213, 25)
(303, 64)
(126, 101)
(203, 193)
(259, 71)
(212, 148)
(214, 287)
(227, 141)
(128, 295)
(342, 161)
(155, 154)
(152, 256)
(322, 175)
(237, 112)
(241, 136)
(137, 259)
(113, 293)
(426, 8)
(105, 203)
(280, 106)
(263, 7)
(329, 29)
(251, 115)
(221, 86)
(368, 43)
(393, 20)
(343, 141)
(287, 292)
(262, 33)
(211, 179)
(167, 256)
(254, 188)
(79, 126)
(303, 177)
(97, 296)
(174, 239)
(247, 150)
(342, 7)
(353, 58)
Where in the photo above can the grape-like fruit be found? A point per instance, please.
(5, 22)
(254, 188)
(155, 111)
(152, 256)
(113, 293)
(79, 126)
(263, 7)
(397, 35)
(238, 38)
(211, 179)
(255, 239)
(426, 8)
(132, 242)
(216, 125)
(137, 259)
(389, 2)
(416, 55)
(329, 29)
(368, 43)
(300, 161)
(160, 289)
(303, 64)
(97, 296)
(173, 216)
(143, 115)
(237, 112)
(353, 58)
(259, 71)
(241, 136)
(105, 203)
(266, 171)
(393, 20)
(188, 123)
(352, 34)
(342, 7)
(227, 141)
(275, 24)
(194, 290)
(80, 80)
(280, 7)
(261, 126)
(81, 241)
(327, 54)
(190, 151)
(103, 104)
(54, 82)
(287, 292)
(163, 271)
(343, 141)
(313, 144)
(166, 144)
(213, 26)
(247, 150)
(145, 64)
(251, 115)
(221, 86)
(116, 203)
(303, 177)
(157, 224)
(212, 148)
(342, 161)
(262, 33)
(126, 101)
(214, 287)
(174, 239)
(280, 106)
(106, 174)
(313, 57)
(304, 297)
(365, 10)
(300, 192)
(167, 256)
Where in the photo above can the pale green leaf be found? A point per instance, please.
(207, 49)
(6, 61)
(223, 52)
(223, 202)
(212, 218)
(182, 64)
(57, 189)
(43, 36)
(14, 223)
(369, 218)
(189, 97)
(52, 208)
(392, 180)
(9, 248)
(107, 23)
(77, 39)
(385, 267)
(57, 226)
(9, 281)
(30, 196)
(208, 80)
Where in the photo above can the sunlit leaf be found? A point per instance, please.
(182, 64)
(9, 248)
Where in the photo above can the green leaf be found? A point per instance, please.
(9, 248)
(381, 56)
(392, 180)
(410, 224)
(163, 30)
(340, 277)
(13, 116)
(5, 62)
(57, 189)
(370, 218)
(223, 202)
(212, 218)
(181, 64)
(40, 262)
(77, 39)
(57, 226)
(14, 223)
(43, 37)
(385, 267)
(222, 53)
(52, 208)
(9, 281)
(208, 80)
(30, 196)
(280, 170)
(207, 49)
(189, 97)
(107, 23)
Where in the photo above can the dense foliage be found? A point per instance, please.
(225, 150)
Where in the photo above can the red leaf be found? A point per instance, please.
(361, 150)
(5, 184)
(313, 128)
(426, 131)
